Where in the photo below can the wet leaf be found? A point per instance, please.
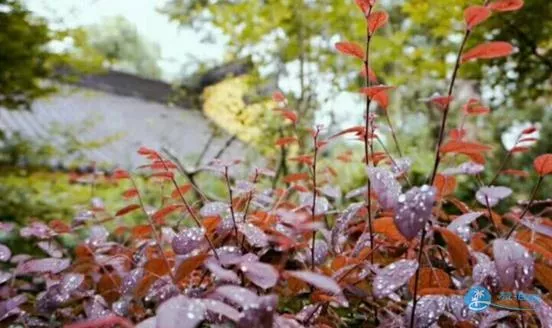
(52, 265)
(514, 264)
(385, 185)
(319, 281)
(5, 253)
(188, 240)
(189, 265)
(413, 210)
(180, 312)
(393, 276)
(456, 247)
(428, 310)
(492, 195)
(254, 236)
(261, 274)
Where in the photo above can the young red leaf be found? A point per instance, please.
(181, 190)
(355, 129)
(120, 174)
(289, 114)
(457, 134)
(442, 102)
(127, 209)
(376, 20)
(445, 185)
(163, 175)
(130, 193)
(278, 96)
(474, 107)
(464, 147)
(543, 164)
(374, 90)
(294, 177)
(365, 5)
(457, 248)
(382, 99)
(488, 50)
(475, 15)
(506, 5)
(147, 151)
(166, 211)
(304, 159)
(285, 141)
(350, 49)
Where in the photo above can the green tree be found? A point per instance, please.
(24, 56)
(124, 48)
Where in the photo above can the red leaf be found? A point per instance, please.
(358, 130)
(120, 174)
(141, 231)
(488, 50)
(506, 5)
(529, 130)
(382, 99)
(166, 211)
(457, 134)
(294, 177)
(127, 209)
(474, 107)
(350, 49)
(463, 147)
(130, 193)
(278, 96)
(285, 141)
(305, 159)
(376, 20)
(475, 15)
(371, 74)
(181, 190)
(289, 114)
(445, 185)
(188, 266)
(442, 102)
(543, 164)
(163, 175)
(457, 248)
(365, 5)
(147, 151)
(374, 90)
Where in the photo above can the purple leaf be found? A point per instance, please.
(321, 207)
(237, 295)
(148, 323)
(98, 236)
(401, 166)
(254, 236)
(393, 276)
(321, 250)
(259, 314)
(131, 280)
(188, 240)
(38, 230)
(4, 276)
(180, 312)
(96, 308)
(413, 210)
(52, 265)
(11, 306)
(71, 281)
(341, 224)
(221, 309)
(356, 192)
(514, 264)
(229, 255)
(51, 247)
(544, 312)
(284, 322)
(543, 229)
(243, 187)
(6, 226)
(385, 185)
(331, 191)
(458, 308)
(468, 168)
(221, 273)
(492, 195)
(362, 242)
(214, 209)
(261, 274)
(484, 269)
(309, 313)
(461, 225)
(5, 253)
(321, 282)
(491, 318)
(428, 311)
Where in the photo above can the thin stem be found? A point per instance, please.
(417, 277)
(367, 136)
(393, 134)
(526, 210)
(313, 209)
(445, 112)
(156, 233)
(226, 177)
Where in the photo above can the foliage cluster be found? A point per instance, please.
(293, 251)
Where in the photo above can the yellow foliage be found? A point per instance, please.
(224, 104)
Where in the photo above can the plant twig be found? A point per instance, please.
(526, 210)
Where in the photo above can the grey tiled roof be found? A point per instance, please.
(133, 122)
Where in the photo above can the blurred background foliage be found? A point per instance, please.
(292, 42)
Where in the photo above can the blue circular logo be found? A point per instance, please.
(478, 298)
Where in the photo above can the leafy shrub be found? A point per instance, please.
(300, 254)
